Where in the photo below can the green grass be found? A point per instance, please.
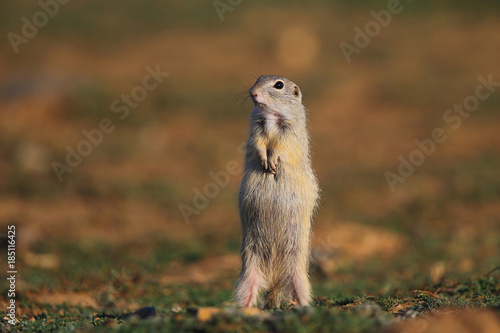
(131, 272)
(335, 313)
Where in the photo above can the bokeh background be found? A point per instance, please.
(111, 234)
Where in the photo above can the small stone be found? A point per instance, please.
(254, 311)
(143, 313)
(176, 309)
(368, 309)
(205, 314)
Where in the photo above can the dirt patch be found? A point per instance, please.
(60, 298)
(96, 220)
(346, 242)
(204, 271)
(451, 321)
(357, 241)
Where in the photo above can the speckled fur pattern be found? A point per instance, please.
(277, 199)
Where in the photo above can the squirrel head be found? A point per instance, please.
(275, 94)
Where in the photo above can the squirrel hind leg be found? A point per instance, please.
(301, 287)
(248, 287)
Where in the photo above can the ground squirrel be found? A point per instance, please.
(278, 196)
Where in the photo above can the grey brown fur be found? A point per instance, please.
(277, 199)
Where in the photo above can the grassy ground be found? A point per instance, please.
(110, 239)
(84, 293)
(97, 286)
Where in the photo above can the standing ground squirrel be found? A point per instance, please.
(277, 199)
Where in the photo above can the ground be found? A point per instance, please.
(111, 236)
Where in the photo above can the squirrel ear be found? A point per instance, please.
(296, 91)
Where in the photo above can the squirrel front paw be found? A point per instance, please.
(269, 160)
(265, 166)
(273, 163)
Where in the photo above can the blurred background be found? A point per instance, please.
(140, 211)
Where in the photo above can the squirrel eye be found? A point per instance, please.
(279, 85)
